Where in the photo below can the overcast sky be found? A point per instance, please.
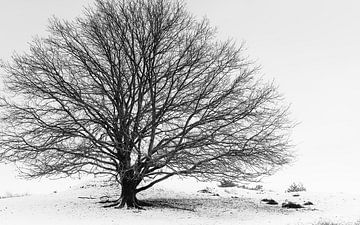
(310, 48)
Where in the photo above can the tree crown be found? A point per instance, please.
(140, 88)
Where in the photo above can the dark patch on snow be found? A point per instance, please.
(291, 205)
(206, 191)
(270, 201)
(308, 203)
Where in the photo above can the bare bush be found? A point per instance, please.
(227, 183)
(296, 187)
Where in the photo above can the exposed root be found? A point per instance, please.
(115, 204)
(122, 202)
(85, 197)
(108, 201)
(111, 203)
(134, 206)
(131, 203)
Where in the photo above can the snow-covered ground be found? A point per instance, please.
(180, 202)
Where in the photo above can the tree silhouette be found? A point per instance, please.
(140, 89)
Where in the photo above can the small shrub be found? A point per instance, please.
(227, 183)
(256, 188)
(294, 187)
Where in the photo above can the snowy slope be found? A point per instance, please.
(179, 203)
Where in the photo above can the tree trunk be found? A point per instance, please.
(128, 193)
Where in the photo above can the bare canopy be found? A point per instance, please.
(139, 89)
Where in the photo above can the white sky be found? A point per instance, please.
(311, 49)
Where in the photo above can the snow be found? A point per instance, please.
(79, 205)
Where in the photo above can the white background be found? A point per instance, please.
(310, 48)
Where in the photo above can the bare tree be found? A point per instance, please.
(139, 89)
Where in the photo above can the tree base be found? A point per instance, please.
(129, 203)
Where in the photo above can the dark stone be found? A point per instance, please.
(308, 203)
(205, 191)
(270, 201)
(291, 205)
(296, 195)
